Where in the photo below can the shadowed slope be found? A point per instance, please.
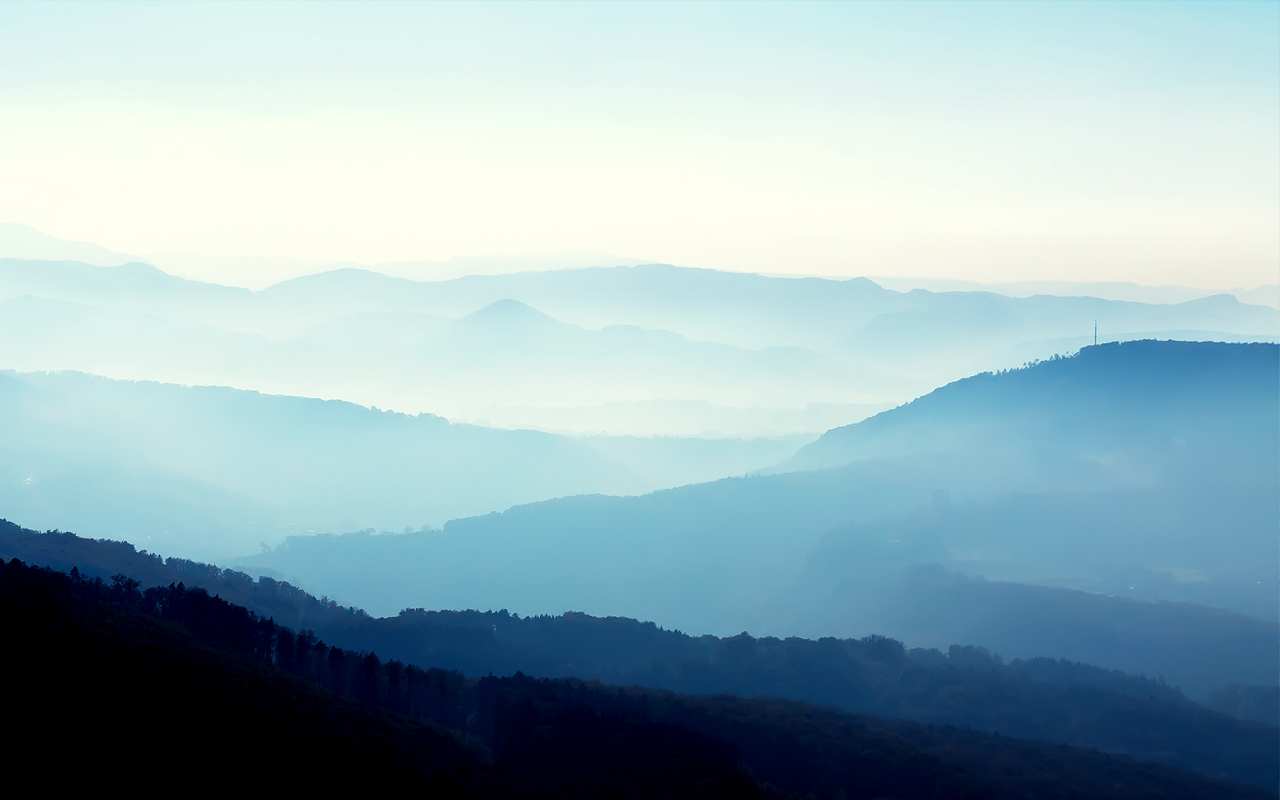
(1042, 699)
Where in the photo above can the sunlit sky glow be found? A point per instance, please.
(994, 141)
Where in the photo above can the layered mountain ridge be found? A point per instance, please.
(758, 349)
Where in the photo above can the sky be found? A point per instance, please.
(985, 141)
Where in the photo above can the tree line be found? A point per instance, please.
(524, 737)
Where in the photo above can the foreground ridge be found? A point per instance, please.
(447, 697)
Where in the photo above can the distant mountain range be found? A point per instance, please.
(1264, 295)
(19, 241)
(571, 350)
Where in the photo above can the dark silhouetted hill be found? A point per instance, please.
(1042, 699)
(106, 696)
(215, 676)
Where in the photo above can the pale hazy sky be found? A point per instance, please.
(992, 141)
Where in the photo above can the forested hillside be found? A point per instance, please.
(187, 694)
(229, 669)
(1041, 699)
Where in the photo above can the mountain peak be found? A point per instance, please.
(508, 310)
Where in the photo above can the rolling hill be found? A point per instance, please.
(1209, 401)
(206, 470)
(1175, 506)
